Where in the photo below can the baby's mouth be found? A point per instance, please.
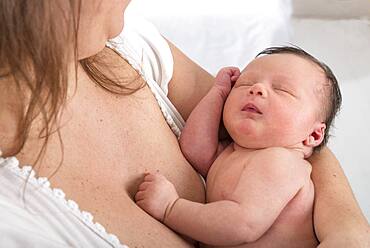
(251, 108)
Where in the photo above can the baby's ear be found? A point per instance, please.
(317, 135)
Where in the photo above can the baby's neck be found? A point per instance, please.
(297, 150)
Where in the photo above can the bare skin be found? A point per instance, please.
(93, 174)
(257, 194)
(350, 225)
(259, 191)
(293, 226)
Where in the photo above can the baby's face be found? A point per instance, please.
(275, 102)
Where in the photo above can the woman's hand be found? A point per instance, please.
(226, 79)
(156, 195)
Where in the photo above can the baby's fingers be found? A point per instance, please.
(148, 177)
(144, 186)
(142, 204)
(235, 77)
(236, 74)
(232, 71)
(139, 196)
(235, 71)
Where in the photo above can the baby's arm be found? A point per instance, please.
(199, 139)
(217, 223)
(264, 189)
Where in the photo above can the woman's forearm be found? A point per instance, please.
(336, 211)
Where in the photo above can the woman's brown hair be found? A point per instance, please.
(38, 39)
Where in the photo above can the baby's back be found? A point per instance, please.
(293, 224)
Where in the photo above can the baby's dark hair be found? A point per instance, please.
(333, 93)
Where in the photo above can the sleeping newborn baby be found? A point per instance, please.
(277, 111)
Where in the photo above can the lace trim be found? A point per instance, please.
(27, 173)
(175, 129)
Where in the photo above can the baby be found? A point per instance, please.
(259, 193)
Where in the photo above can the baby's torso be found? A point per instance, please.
(294, 225)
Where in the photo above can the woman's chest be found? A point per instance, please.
(108, 144)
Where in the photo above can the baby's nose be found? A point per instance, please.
(258, 90)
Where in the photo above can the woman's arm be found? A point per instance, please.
(189, 83)
(338, 219)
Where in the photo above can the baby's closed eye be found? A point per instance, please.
(283, 90)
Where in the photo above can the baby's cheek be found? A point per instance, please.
(293, 126)
(284, 124)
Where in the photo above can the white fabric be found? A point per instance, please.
(147, 51)
(35, 215)
(32, 214)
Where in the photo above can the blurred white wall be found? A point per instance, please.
(332, 9)
(218, 33)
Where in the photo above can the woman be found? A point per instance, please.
(84, 118)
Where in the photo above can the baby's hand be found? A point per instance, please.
(156, 195)
(226, 79)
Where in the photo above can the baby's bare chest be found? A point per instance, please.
(225, 174)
